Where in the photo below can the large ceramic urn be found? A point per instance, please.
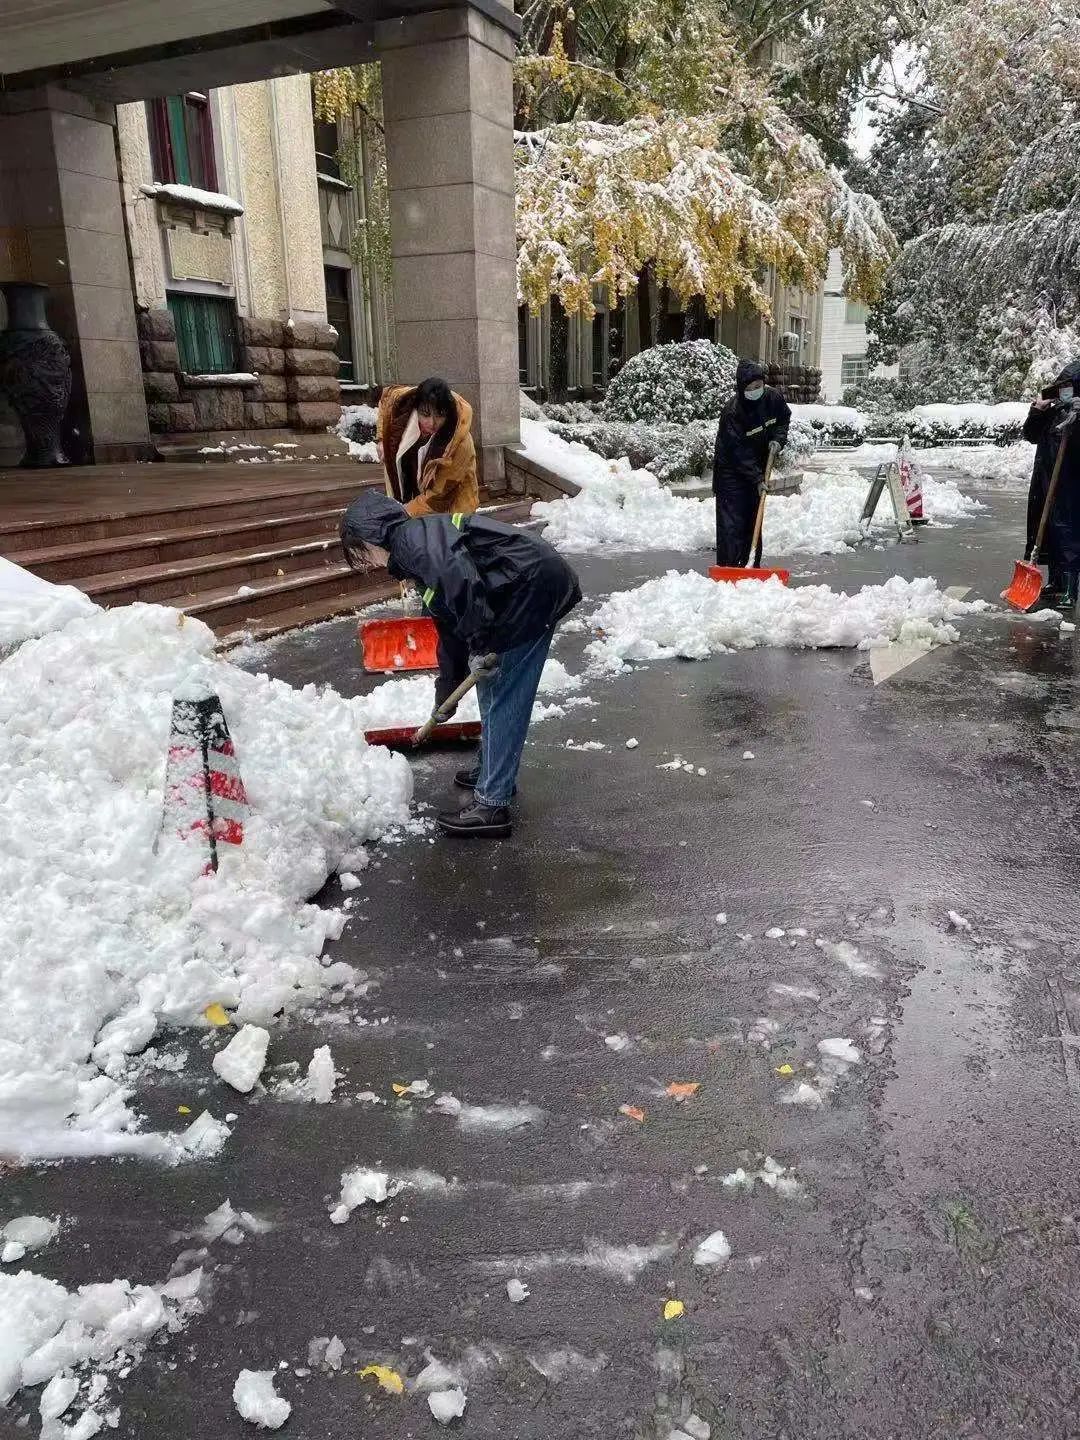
(35, 373)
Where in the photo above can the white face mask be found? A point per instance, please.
(754, 392)
(1065, 394)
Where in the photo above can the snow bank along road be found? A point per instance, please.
(710, 1105)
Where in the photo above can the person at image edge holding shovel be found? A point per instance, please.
(425, 441)
(1061, 544)
(753, 419)
(491, 590)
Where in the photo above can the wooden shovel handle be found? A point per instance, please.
(1051, 492)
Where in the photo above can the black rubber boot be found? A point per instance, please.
(485, 822)
(467, 779)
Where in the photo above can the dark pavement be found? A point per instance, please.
(924, 1283)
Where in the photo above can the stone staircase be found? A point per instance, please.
(251, 561)
(256, 563)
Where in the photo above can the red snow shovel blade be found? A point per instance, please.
(392, 645)
(1026, 587)
(735, 573)
(402, 735)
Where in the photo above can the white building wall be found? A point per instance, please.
(839, 336)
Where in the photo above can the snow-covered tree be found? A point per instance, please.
(987, 288)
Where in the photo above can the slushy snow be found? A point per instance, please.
(691, 616)
(446, 1405)
(257, 1402)
(108, 930)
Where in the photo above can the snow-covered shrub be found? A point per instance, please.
(529, 408)
(687, 380)
(929, 425)
(357, 423)
(832, 424)
(572, 412)
(670, 452)
(880, 396)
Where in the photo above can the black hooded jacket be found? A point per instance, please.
(747, 428)
(487, 586)
(1061, 546)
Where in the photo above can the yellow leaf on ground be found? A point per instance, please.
(673, 1309)
(216, 1014)
(683, 1089)
(632, 1112)
(183, 1109)
(387, 1378)
(784, 1070)
(399, 1089)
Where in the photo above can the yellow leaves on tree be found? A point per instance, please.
(596, 202)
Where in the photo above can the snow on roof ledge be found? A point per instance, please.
(191, 195)
(238, 377)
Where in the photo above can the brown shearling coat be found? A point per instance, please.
(448, 482)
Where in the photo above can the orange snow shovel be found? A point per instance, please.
(1027, 582)
(754, 572)
(439, 726)
(392, 645)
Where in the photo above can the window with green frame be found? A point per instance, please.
(182, 140)
(205, 333)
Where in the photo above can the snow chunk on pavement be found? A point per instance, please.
(241, 1062)
(30, 1231)
(840, 1050)
(517, 1291)
(446, 1405)
(690, 616)
(58, 1395)
(713, 1250)
(360, 1185)
(498, 1117)
(108, 931)
(321, 1076)
(257, 1402)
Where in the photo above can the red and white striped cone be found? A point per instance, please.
(911, 484)
(205, 797)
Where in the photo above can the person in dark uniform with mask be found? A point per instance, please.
(1060, 551)
(756, 417)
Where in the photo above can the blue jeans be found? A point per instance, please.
(506, 701)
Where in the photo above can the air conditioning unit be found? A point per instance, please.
(790, 343)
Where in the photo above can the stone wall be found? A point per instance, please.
(296, 387)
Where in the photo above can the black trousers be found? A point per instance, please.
(736, 510)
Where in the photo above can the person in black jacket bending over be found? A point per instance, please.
(752, 420)
(490, 589)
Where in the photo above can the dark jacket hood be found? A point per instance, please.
(748, 371)
(1070, 375)
(371, 519)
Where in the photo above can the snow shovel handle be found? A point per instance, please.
(452, 701)
(1051, 492)
(759, 519)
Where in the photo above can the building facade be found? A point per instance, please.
(844, 337)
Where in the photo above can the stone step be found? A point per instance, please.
(299, 615)
(225, 611)
(18, 537)
(66, 563)
(159, 584)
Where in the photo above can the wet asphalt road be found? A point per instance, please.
(924, 1283)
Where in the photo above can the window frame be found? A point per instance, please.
(192, 313)
(182, 140)
(859, 361)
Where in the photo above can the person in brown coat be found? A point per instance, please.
(425, 439)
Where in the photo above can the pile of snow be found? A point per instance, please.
(107, 932)
(31, 606)
(624, 509)
(48, 1330)
(691, 616)
(357, 426)
(1007, 466)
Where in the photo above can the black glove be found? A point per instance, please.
(483, 665)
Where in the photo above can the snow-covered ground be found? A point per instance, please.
(692, 617)
(1007, 467)
(109, 931)
(624, 509)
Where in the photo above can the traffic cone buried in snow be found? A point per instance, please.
(205, 799)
